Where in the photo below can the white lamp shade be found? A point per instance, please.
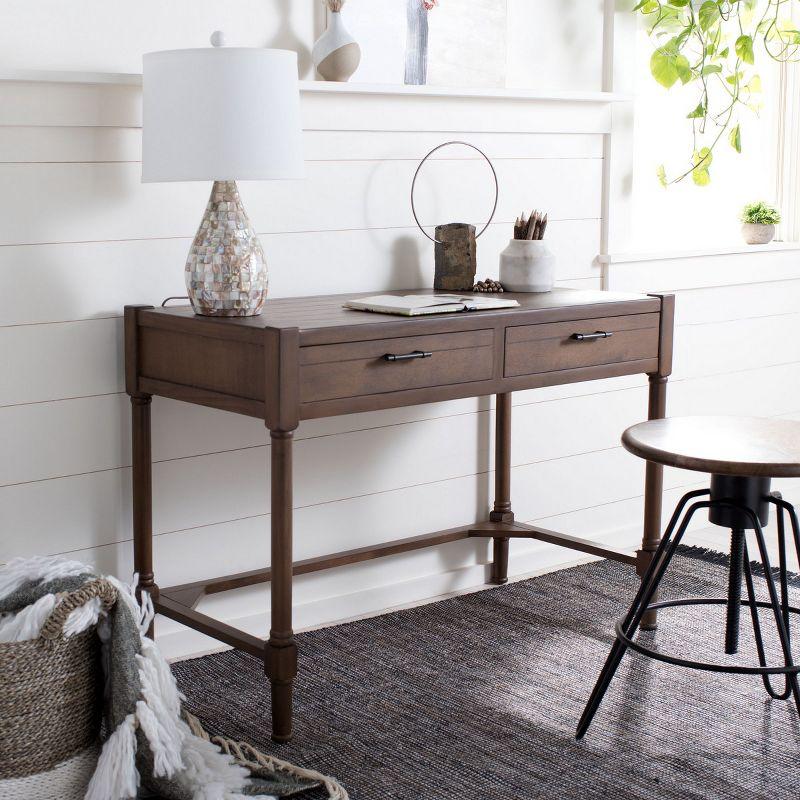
(221, 113)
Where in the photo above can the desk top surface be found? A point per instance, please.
(326, 311)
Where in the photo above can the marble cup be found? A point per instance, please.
(527, 266)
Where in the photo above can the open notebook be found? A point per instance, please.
(413, 305)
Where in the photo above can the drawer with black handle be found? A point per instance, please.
(547, 347)
(353, 369)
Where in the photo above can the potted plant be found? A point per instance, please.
(528, 264)
(758, 222)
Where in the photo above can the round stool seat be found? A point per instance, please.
(742, 454)
(744, 446)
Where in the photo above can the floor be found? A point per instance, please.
(477, 696)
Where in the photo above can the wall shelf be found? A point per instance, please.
(68, 76)
(324, 87)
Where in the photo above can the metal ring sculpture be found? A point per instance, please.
(494, 175)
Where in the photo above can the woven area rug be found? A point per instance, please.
(477, 697)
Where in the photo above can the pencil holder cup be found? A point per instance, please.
(527, 266)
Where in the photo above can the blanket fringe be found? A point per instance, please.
(209, 773)
(143, 612)
(26, 624)
(116, 776)
(253, 759)
(40, 569)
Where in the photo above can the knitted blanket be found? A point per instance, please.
(151, 748)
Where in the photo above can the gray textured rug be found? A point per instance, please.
(477, 697)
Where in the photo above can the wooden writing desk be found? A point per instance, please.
(308, 357)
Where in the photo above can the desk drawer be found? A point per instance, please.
(531, 349)
(334, 371)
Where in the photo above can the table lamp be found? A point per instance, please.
(222, 114)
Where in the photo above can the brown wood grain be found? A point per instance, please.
(282, 379)
(141, 458)
(210, 627)
(560, 330)
(436, 394)
(666, 327)
(281, 651)
(654, 473)
(131, 326)
(577, 543)
(310, 357)
(228, 367)
(743, 446)
(548, 347)
(189, 593)
(359, 368)
(375, 348)
(323, 320)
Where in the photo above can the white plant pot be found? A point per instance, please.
(527, 266)
(755, 233)
(336, 54)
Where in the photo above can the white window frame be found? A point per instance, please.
(787, 167)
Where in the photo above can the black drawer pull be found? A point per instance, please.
(588, 337)
(407, 356)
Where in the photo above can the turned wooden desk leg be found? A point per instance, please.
(502, 486)
(653, 490)
(280, 660)
(142, 480)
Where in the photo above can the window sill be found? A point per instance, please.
(672, 255)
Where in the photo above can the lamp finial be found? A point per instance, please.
(217, 39)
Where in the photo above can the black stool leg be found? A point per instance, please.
(779, 610)
(733, 609)
(778, 500)
(762, 657)
(783, 570)
(783, 507)
(655, 572)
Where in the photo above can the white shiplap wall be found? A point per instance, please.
(80, 237)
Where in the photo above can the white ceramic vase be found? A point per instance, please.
(527, 266)
(754, 233)
(336, 53)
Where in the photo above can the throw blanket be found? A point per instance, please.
(151, 745)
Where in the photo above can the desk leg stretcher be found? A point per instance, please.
(279, 652)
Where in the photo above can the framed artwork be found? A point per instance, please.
(458, 43)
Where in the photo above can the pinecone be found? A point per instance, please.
(488, 286)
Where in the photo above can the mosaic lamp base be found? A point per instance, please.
(226, 272)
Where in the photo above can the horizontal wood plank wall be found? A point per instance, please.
(81, 237)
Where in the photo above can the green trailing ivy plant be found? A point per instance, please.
(714, 46)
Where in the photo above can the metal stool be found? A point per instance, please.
(742, 454)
